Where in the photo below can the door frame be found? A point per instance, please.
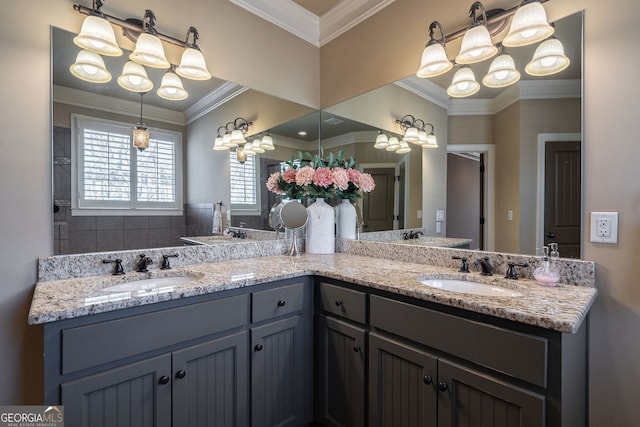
(543, 138)
(489, 185)
(396, 185)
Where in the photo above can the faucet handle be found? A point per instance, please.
(165, 261)
(464, 265)
(117, 268)
(511, 270)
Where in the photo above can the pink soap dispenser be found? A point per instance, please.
(546, 274)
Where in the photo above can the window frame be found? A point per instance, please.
(132, 207)
(247, 209)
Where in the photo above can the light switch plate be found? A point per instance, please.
(440, 215)
(604, 227)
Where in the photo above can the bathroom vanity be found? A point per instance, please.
(237, 345)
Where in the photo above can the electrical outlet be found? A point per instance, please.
(439, 214)
(604, 227)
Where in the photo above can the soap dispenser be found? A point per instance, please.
(546, 274)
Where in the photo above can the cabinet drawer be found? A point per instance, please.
(92, 345)
(513, 353)
(277, 302)
(343, 302)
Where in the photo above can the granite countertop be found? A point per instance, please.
(561, 308)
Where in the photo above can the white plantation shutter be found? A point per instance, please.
(245, 192)
(111, 177)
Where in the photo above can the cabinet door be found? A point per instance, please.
(135, 395)
(210, 383)
(341, 379)
(467, 397)
(402, 384)
(281, 374)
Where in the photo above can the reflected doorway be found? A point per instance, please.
(381, 208)
(465, 186)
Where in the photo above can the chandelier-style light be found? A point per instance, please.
(476, 43)
(141, 132)
(89, 67)
(529, 25)
(434, 61)
(171, 88)
(96, 34)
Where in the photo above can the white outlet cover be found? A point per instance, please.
(613, 227)
(439, 214)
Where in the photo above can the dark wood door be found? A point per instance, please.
(378, 204)
(562, 196)
(468, 398)
(402, 384)
(280, 395)
(135, 395)
(341, 381)
(211, 383)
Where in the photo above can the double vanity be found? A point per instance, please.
(375, 334)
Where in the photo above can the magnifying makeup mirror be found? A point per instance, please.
(293, 216)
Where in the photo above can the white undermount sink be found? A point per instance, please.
(149, 284)
(467, 287)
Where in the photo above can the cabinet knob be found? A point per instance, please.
(356, 348)
(338, 303)
(163, 380)
(258, 347)
(427, 379)
(181, 373)
(281, 303)
(443, 386)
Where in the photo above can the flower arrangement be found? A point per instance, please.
(315, 177)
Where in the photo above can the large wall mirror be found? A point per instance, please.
(506, 132)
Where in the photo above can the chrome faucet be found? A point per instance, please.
(143, 263)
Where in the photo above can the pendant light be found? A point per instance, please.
(241, 155)
(149, 50)
(382, 141)
(97, 34)
(171, 88)
(476, 43)
(134, 78)
(89, 67)
(434, 60)
(548, 59)
(529, 25)
(141, 133)
(502, 72)
(464, 83)
(192, 65)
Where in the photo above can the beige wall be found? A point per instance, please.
(364, 58)
(373, 57)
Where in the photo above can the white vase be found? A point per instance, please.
(346, 220)
(320, 228)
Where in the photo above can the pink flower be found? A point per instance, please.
(323, 177)
(340, 178)
(354, 176)
(273, 183)
(289, 175)
(304, 175)
(366, 183)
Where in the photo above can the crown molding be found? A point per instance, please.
(315, 30)
(80, 98)
(224, 93)
(426, 89)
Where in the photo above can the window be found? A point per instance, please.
(245, 188)
(111, 177)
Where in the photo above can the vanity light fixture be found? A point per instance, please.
(434, 61)
(171, 88)
(89, 67)
(529, 25)
(404, 147)
(266, 142)
(382, 141)
(141, 132)
(413, 129)
(394, 144)
(97, 36)
(97, 33)
(234, 137)
(430, 140)
(476, 43)
(548, 59)
(502, 72)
